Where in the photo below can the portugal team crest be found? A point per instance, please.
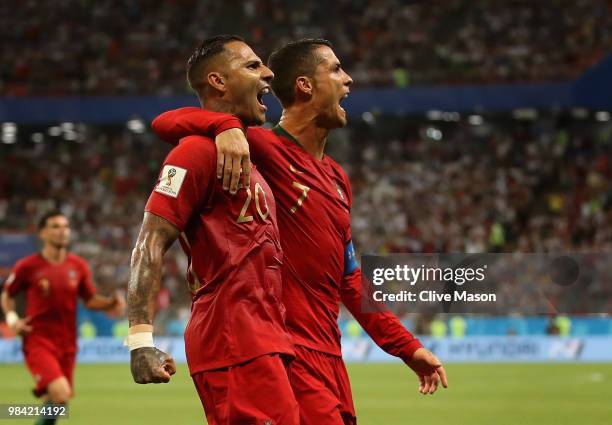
(44, 286)
(73, 278)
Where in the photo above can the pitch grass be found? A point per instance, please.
(385, 394)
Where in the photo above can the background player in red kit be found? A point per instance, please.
(52, 279)
(314, 198)
(236, 341)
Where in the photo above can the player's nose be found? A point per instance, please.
(347, 79)
(266, 74)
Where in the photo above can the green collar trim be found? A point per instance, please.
(280, 131)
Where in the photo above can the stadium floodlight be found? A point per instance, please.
(453, 116)
(67, 126)
(136, 125)
(8, 139)
(579, 113)
(526, 114)
(434, 115)
(54, 131)
(37, 137)
(368, 118)
(9, 133)
(434, 133)
(9, 127)
(476, 119)
(71, 135)
(602, 116)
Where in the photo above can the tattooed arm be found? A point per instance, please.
(148, 364)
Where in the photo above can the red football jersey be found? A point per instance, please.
(234, 254)
(314, 202)
(51, 296)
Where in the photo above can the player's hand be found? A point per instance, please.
(233, 158)
(429, 370)
(118, 308)
(151, 366)
(22, 326)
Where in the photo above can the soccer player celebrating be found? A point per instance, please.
(314, 198)
(236, 341)
(52, 280)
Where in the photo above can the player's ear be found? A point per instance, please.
(217, 81)
(303, 86)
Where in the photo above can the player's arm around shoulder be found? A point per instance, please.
(233, 157)
(197, 154)
(147, 363)
(235, 147)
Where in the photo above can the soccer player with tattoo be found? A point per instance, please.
(314, 201)
(236, 342)
(52, 280)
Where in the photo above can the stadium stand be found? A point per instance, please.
(130, 47)
(492, 184)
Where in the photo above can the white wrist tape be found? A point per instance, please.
(139, 340)
(11, 318)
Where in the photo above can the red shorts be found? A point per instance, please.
(253, 393)
(47, 363)
(322, 388)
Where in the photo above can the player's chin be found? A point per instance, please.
(341, 120)
(258, 111)
(255, 117)
(259, 118)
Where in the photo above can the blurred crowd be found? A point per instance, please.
(102, 185)
(536, 186)
(503, 185)
(525, 186)
(119, 47)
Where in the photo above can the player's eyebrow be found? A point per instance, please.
(253, 61)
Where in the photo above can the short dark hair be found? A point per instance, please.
(208, 49)
(42, 221)
(291, 61)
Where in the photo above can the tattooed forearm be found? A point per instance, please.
(156, 236)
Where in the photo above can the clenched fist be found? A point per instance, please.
(151, 366)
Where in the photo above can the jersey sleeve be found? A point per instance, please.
(17, 280)
(349, 191)
(173, 125)
(261, 147)
(186, 181)
(87, 289)
(382, 325)
(356, 292)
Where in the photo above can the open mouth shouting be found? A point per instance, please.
(344, 96)
(260, 94)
